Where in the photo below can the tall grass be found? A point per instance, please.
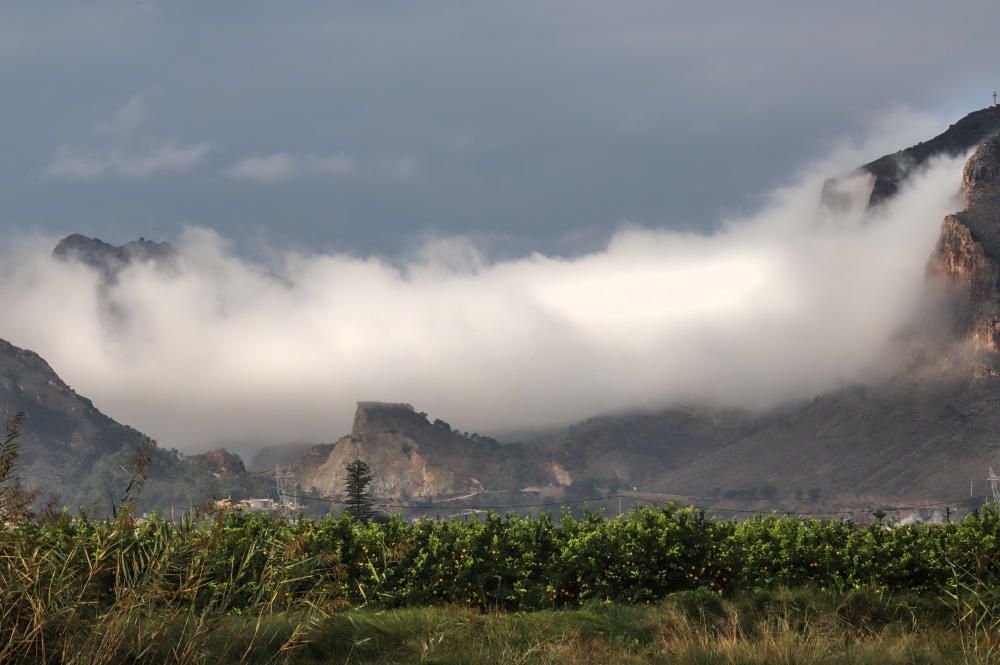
(791, 627)
(117, 591)
(974, 597)
(74, 590)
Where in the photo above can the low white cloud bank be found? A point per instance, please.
(784, 304)
(284, 166)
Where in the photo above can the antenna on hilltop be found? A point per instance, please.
(994, 98)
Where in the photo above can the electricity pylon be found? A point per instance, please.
(284, 479)
(994, 481)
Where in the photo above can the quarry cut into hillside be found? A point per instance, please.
(413, 458)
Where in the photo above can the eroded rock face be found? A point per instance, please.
(972, 275)
(967, 255)
(413, 458)
(983, 168)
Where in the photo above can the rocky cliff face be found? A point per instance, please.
(412, 457)
(967, 256)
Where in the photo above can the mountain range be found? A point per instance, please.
(922, 435)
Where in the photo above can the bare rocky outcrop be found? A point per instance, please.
(413, 458)
(967, 256)
(220, 462)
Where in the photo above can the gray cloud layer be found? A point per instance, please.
(530, 126)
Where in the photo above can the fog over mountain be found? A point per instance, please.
(791, 301)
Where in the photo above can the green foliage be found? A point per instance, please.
(172, 482)
(15, 500)
(68, 580)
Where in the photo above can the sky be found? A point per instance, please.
(524, 126)
(512, 215)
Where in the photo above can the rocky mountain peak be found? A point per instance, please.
(379, 417)
(110, 259)
(889, 171)
(222, 461)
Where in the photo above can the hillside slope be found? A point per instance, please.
(75, 454)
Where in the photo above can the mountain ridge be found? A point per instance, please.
(77, 455)
(921, 433)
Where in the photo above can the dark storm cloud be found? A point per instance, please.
(523, 125)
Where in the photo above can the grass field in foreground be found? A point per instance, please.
(764, 627)
(780, 626)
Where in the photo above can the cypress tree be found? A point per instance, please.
(358, 499)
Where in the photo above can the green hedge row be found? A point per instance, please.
(512, 561)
